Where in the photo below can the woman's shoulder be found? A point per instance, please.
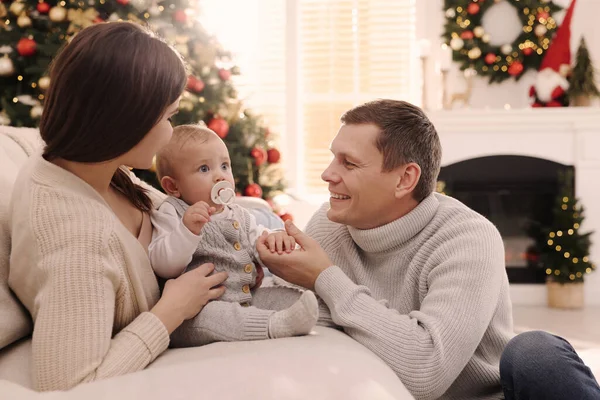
(52, 199)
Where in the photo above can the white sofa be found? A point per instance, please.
(324, 365)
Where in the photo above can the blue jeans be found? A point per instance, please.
(538, 365)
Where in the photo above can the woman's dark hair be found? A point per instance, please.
(108, 88)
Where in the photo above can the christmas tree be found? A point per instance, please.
(33, 31)
(565, 255)
(582, 81)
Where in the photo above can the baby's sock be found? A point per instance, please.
(297, 320)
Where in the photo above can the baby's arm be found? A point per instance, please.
(173, 244)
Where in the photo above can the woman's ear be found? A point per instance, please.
(408, 178)
(170, 186)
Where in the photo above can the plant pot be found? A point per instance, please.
(581, 100)
(567, 296)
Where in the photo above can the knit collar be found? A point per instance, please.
(396, 233)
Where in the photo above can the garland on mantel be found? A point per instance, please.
(470, 43)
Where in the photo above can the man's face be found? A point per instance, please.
(361, 195)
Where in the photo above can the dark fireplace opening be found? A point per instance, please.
(514, 193)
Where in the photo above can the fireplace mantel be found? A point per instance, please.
(570, 136)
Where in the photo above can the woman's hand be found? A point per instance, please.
(184, 297)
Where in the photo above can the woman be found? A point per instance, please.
(80, 227)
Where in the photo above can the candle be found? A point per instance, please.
(446, 58)
(424, 48)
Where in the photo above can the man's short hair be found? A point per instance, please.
(406, 135)
(182, 134)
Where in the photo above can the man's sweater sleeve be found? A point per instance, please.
(429, 347)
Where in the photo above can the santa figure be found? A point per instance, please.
(551, 84)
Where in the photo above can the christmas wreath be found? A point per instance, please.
(470, 43)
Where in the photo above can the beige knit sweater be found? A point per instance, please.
(85, 279)
(427, 293)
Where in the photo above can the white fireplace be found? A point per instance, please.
(569, 136)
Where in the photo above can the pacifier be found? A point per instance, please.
(222, 193)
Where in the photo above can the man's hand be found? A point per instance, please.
(280, 242)
(300, 267)
(196, 216)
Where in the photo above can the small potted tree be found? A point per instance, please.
(582, 83)
(565, 255)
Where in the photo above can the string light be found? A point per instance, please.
(559, 233)
(550, 242)
(567, 254)
(558, 248)
(557, 272)
(572, 277)
(20, 77)
(575, 260)
(548, 271)
(552, 234)
(586, 259)
(588, 270)
(579, 274)
(570, 231)
(576, 225)
(15, 100)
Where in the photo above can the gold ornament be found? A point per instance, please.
(506, 49)
(24, 21)
(17, 8)
(540, 30)
(44, 82)
(80, 19)
(36, 111)
(457, 43)
(7, 68)
(478, 31)
(474, 53)
(57, 14)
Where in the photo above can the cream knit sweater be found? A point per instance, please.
(85, 279)
(427, 293)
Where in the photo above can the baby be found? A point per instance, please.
(197, 224)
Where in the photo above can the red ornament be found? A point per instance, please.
(273, 156)
(123, 2)
(531, 91)
(194, 84)
(490, 58)
(259, 155)
(466, 35)
(26, 47)
(473, 8)
(179, 16)
(516, 68)
(98, 20)
(224, 74)
(554, 103)
(543, 15)
(253, 190)
(43, 8)
(219, 126)
(527, 51)
(286, 217)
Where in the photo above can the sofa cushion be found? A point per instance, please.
(15, 363)
(16, 144)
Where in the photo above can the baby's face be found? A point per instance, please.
(201, 165)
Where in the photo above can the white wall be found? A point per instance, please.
(430, 23)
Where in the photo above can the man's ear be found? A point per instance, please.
(170, 186)
(408, 178)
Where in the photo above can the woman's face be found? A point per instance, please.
(142, 154)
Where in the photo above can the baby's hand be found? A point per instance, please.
(280, 242)
(196, 216)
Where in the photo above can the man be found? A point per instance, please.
(416, 277)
